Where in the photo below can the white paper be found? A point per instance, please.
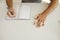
(22, 12)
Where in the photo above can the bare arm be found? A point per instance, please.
(11, 12)
(51, 7)
(9, 3)
(41, 17)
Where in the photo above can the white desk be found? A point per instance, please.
(25, 30)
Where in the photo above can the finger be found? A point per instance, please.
(9, 14)
(43, 23)
(35, 22)
(14, 15)
(36, 17)
(39, 23)
(12, 12)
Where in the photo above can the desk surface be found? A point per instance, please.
(25, 30)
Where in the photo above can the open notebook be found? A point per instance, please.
(22, 13)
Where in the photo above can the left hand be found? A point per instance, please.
(40, 19)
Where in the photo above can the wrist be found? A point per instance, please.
(45, 13)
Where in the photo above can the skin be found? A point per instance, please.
(11, 12)
(40, 18)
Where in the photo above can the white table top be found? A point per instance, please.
(25, 30)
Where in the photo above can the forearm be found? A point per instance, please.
(51, 7)
(9, 3)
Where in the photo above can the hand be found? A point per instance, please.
(40, 19)
(11, 13)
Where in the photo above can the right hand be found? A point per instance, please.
(11, 13)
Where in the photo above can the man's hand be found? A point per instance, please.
(11, 13)
(40, 19)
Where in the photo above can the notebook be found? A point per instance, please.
(22, 13)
